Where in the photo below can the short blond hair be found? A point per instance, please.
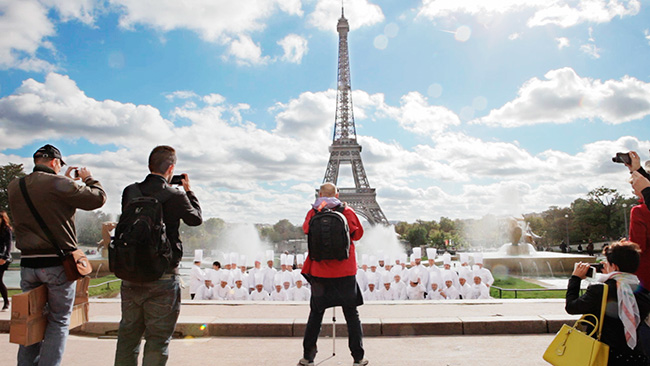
(327, 190)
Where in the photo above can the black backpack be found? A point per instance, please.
(140, 250)
(329, 235)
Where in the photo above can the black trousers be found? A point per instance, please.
(329, 292)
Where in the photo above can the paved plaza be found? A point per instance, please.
(515, 350)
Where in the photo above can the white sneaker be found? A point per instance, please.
(305, 362)
(363, 362)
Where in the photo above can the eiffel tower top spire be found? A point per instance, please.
(344, 129)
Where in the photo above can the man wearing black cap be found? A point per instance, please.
(56, 199)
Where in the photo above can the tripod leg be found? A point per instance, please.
(334, 331)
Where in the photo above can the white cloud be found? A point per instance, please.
(562, 42)
(514, 36)
(220, 21)
(360, 13)
(243, 173)
(181, 94)
(25, 28)
(591, 50)
(565, 97)
(295, 47)
(246, 52)
(563, 13)
(646, 33)
(416, 115)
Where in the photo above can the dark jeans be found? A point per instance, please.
(3, 288)
(334, 292)
(152, 309)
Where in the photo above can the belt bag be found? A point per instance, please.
(572, 347)
(75, 263)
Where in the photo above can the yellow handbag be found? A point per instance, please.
(573, 347)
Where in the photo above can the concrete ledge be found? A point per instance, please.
(372, 327)
(421, 326)
(504, 325)
(555, 322)
(251, 327)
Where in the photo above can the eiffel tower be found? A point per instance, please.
(344, 148)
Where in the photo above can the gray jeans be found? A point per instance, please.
(150, 309)
(60, 300)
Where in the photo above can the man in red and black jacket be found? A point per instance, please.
(333, 283)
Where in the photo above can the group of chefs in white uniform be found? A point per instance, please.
(380, 279)
(232, 279)
(393, 278)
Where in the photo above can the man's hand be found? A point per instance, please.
(639, 182)
(2, 262)
(186, 182)
(635, 162)
(68, 172)
(581, 270)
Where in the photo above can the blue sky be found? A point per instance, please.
(463, 107)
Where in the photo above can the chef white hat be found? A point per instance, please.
(300, 259)
(446, 258)
(236, 275)
(435, 277)
(417, 252)
(414, 276)
(297, 276)
(234, 257)
(224, 276)
(283, 259)
(258, 258)
(387, 277)
(403, 257)
(372, 278)
(465, 273)
(269, 255)
(198, 255)
(464, 258)
(287, 277)
(242, 260)
(478, 258)
(364, 259)
(387, 260)
(372, 262)
(412, 260)
(259, 279)
(290, 259)
(396, 271)
(431, 253)
(446, 276)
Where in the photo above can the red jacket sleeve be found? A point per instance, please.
(356, 230)
(305, 225)
(638, 228)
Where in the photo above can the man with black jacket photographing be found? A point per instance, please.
(151, 307)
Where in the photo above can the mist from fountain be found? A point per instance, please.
(380, 240)
(243, 239)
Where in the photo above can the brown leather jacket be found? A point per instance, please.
(56, 198)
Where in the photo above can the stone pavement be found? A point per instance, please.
(403, 318)
(493, 350)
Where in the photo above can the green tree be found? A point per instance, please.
(8, 173)
(417, 236)
(89, 226)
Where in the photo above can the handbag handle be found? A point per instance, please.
(583, 320)
(602, 310)
(39, 219)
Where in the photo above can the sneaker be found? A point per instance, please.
(360, 363)
(305, 362)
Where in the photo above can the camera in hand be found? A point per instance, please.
(623, 158)
(75, 173)
(594, 268)
(177, 180)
